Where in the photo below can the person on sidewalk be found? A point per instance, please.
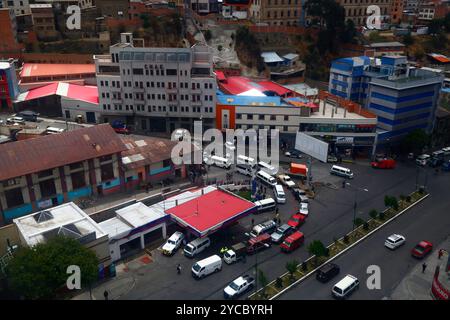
(178, 268)
(424, 266)
(440, 253)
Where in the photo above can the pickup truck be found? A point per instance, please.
(238, 287)
(286, 180)
(236, 253)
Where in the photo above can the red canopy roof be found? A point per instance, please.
(210, 211)
(275, 87)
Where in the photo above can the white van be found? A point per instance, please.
(446, 151)
(196, 246)
(206, 266)
(245, 160)
(345, 287)
(266, 178)
(221, 162)
(268, 226)
(244, 169)
(423, 159)
(53, 130)
(267, 168)
(265, 204)
(341, 171)
(278, 191)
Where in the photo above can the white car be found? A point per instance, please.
(394, 241)
(173, 243)
(446, 151)
(423, 159)
(303, 209)
(15, 120)
(230, 145)
(286, 180)
(238, 287)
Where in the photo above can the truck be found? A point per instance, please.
(383, 163)
(298, 170)
(238, 287)
(236, 253)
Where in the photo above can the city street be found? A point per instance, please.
(331, 215)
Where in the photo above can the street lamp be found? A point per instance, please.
(355, 203)
(256, 262)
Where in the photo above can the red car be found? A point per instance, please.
(123, 130)
(292, 242)
(296, 220)
(384, 163)
(422, 249)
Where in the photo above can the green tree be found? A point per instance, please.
(263, 281)
(39, 272)
(358, 222)
(373, 213)
(317, 249)
(415, 141)
(291, 267)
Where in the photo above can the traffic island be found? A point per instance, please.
(362, 230)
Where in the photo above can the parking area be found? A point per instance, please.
(330, 216)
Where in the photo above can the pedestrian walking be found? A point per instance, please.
(424, 266)
(105, 294)
(440, 253)
(253, 222)
(178, 268)
(343, 184)
(276, 211)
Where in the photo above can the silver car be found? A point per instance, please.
(282, 232)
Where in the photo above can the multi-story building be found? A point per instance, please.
(404, 98)
(434, 9)
(396, 11)
(156, 89)
(204, 6)
(276, 12)
(356, 10)
(342, 123)
(8, 31)
(8, 85)
(44, 21)
(117, 9)
(49, 170)
(20, 7)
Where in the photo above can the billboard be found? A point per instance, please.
(314, 147)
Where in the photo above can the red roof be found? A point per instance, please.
(238, 84)
(275, 87)
(68, 90)
(210, 211)
(55, 69)
(220, 75)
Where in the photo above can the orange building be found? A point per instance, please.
(8, 31)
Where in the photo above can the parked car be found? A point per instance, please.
(436, 162)
(296, 220)
(258, 243)
(422, 249)
(206, 266)
(173, 243)
(293, 154)
(15, 120)
(332, 159)
(268, 226)
(383, 163)
(297, 192)
(394, 241)
(122, 130)
(286, 180)
(423, 159)
(446, 151)
(28, 115)
(303, 209)
(282, 232)
(292, 242)
(446, 166)
(327, 272)
(238, 287)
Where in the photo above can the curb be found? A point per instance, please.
(343, 251)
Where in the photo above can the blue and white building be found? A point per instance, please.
(403, 97)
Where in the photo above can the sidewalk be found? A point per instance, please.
(417, 285)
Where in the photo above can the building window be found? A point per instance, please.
(107, 171)
(14, 197)
(78, 180)
(261, 117)
(272, 117)
(47, 188)
(286, 118)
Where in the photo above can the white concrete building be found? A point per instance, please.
(20, 7)
(65, 220)
(156, 89)
(133, 228)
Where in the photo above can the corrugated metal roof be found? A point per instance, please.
(55, 69)
(145, 150)
(46, 152)
(271, 57)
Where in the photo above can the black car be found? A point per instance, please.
(28, 115)
(327, 272)
(293, 154)
(436, 162)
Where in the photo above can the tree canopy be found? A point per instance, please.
(38, 272)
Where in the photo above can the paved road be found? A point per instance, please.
(427, 221)
(331, 215)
